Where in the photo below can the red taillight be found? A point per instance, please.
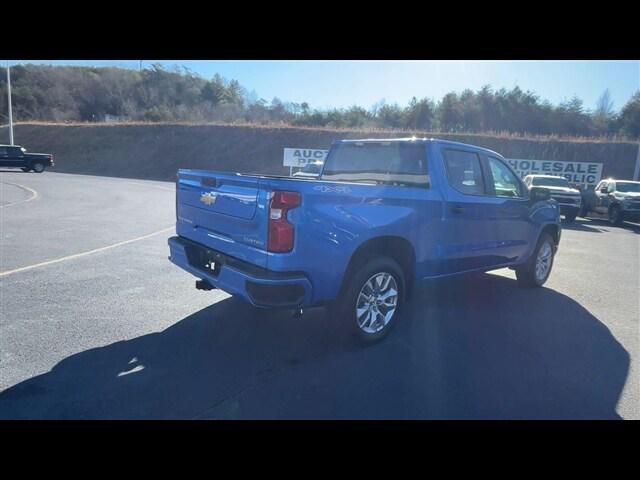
(280, 230)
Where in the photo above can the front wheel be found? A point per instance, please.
(570, 217)
(537, 270)
(374, 295)
(25, 169)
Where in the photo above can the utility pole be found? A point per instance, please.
(9, 100)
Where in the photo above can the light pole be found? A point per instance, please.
(9, 101)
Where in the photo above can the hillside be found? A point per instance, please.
(56, 93)
(156, 151)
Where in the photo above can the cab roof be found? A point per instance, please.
(619, 181)
(421, 140)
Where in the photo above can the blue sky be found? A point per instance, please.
(326, 84)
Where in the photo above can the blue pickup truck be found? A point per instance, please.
(381, 215)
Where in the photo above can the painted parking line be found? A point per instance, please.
(83, 254)
(33, 193)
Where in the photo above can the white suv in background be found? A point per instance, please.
(569, 199)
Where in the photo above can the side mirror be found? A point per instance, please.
(539, 194)
(603, 190)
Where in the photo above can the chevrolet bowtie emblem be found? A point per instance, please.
(208, 198)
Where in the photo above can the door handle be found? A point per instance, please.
(457, 209)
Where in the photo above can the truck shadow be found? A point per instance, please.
(584, 225)
(474, 347)
(602, 225)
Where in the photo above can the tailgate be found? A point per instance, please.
(225, 212)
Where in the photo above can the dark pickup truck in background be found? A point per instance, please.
(619, 200)
(15, 156)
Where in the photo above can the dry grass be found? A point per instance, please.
(156, 150)
(364, 131)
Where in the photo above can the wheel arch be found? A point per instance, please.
(553, 230)
(397, 248)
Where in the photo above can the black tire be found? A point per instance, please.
(346, 306)
(571, 217)
(25, 169)
(38, 167)
(616, 216)
(526, 274)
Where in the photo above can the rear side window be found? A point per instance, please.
(464, 171)
(3, 151)
(379, 162)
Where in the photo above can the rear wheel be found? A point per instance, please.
(615, 216)
(371, 303)
(25, 169)
(537, 270)
(570, 217)
(38, 167)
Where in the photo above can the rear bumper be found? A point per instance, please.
(256, 285)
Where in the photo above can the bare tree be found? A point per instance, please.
(603, 114)
(604, 105)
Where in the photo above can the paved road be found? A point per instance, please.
(96, 323)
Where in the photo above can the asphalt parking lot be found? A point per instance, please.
(96, 323)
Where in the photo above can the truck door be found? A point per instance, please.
(607, 198)
(4, 157)
(602, 195)
(467, 241)
(509, 212)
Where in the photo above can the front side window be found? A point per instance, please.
(464, 171)
(505, 182)
(379, 162)
(612, 187)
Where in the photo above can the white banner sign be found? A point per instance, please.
(581, 173)
(299, 157)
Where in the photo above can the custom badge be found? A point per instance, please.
(208, 198)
